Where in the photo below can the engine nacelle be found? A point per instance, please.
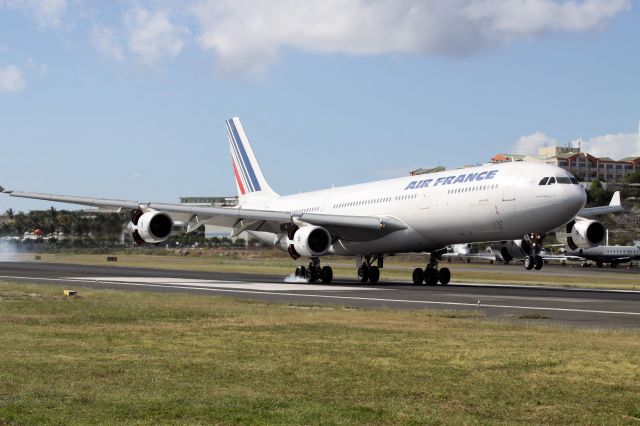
(309, 241)
(585, 234)
(150, 227)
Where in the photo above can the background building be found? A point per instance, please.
(582, 165)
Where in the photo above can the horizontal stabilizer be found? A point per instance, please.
(615, 206)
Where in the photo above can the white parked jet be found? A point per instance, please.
(614, 255)
(423, 213)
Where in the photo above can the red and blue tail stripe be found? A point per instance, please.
(243, 168)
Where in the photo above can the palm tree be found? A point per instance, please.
(52, 221)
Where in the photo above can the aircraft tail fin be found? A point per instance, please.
(615, 200)
(250, 181)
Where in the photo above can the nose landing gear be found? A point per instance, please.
(532, 245)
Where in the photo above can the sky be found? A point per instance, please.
(127, 99)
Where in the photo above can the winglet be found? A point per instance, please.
(615, 200)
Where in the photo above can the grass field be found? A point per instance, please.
(151, 358)
(396, 268)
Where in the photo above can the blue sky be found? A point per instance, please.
(128, 99)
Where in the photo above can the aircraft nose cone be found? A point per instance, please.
(577, 197)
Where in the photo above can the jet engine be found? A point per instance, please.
(308, 241)
(150, 227)
(585, 234)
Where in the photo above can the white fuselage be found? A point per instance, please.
(608, 254)
(475, 204)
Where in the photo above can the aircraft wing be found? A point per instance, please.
(470, 256)
(615, 206)
(562, 257)
(354, 228)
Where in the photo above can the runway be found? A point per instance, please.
(603, 308)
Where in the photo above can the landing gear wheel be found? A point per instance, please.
(374, 274)
(363, 274)
(528, 263)
(418, 276)
(538, 263)
(327, 274)
(312, 274)
(431, 276)
(301, 272)
(444, 276)
(599, 263)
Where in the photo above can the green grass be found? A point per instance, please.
(149, 358)
(396, 268)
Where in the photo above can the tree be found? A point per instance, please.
(21, 223)
(51, 224)
(597, 195)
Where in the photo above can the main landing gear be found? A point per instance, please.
(369, 272)
(431, 275)
(314, 272)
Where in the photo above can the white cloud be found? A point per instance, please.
(152, 35)
(508, 19)
(48, 13)
(33, 65)
(11, 79)
(615, 145)
(247, 35)
(529, 144)
(106, 42)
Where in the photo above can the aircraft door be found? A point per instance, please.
(424, 201)
(509, 193)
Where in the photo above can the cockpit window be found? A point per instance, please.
(544, 181)
(574, 181)
(564, 180)
(552, 180)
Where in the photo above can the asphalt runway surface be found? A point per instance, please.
(600, 308)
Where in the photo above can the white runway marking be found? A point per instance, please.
(338, 298)
(377, 299)
(242, 285)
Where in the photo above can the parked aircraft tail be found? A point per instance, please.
(250, 181)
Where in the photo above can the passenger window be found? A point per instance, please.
(544, 181)
(552, 180)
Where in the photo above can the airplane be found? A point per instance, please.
(613, 255)
(466, 252)
(415, 214)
